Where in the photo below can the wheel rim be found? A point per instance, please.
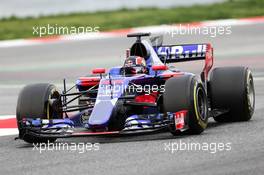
(201, 103)
(250, 94)
(54, 94)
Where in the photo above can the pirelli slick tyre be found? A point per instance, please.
(232, 89)
(187, 93)
(33, 102)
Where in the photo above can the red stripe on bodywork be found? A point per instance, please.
(8, 123)
(147, 98)
(96, 133)
(89, 81)
(173, 74)
(209, 61)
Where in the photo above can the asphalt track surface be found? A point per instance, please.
(135, 154)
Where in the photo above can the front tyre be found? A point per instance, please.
(187, 93)
(33, 102)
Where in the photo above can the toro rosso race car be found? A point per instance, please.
(141, 96)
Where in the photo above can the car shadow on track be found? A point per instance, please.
(130, 138)
(166, 135)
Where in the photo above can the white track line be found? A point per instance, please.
(258, 78)
(4, 117)
(20, 86)
(8, 131)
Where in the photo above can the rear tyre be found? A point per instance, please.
(33, 102)
(187, 93)
(232, 88)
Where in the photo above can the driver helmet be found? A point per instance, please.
(135, 65)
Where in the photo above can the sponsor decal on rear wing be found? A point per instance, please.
(188, 52)
(179, 53)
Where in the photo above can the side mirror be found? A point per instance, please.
(98, 71)
(159, 67)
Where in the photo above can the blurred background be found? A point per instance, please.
(26, 58)
(33, 8)
(18, 17)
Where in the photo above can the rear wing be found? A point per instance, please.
(179, 53)
(187, 52)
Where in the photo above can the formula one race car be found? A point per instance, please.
(141, 96)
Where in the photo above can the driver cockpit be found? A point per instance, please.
(134, 65)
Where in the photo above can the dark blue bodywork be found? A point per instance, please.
(112, 87)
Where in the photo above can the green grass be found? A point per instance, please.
(13, 27)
